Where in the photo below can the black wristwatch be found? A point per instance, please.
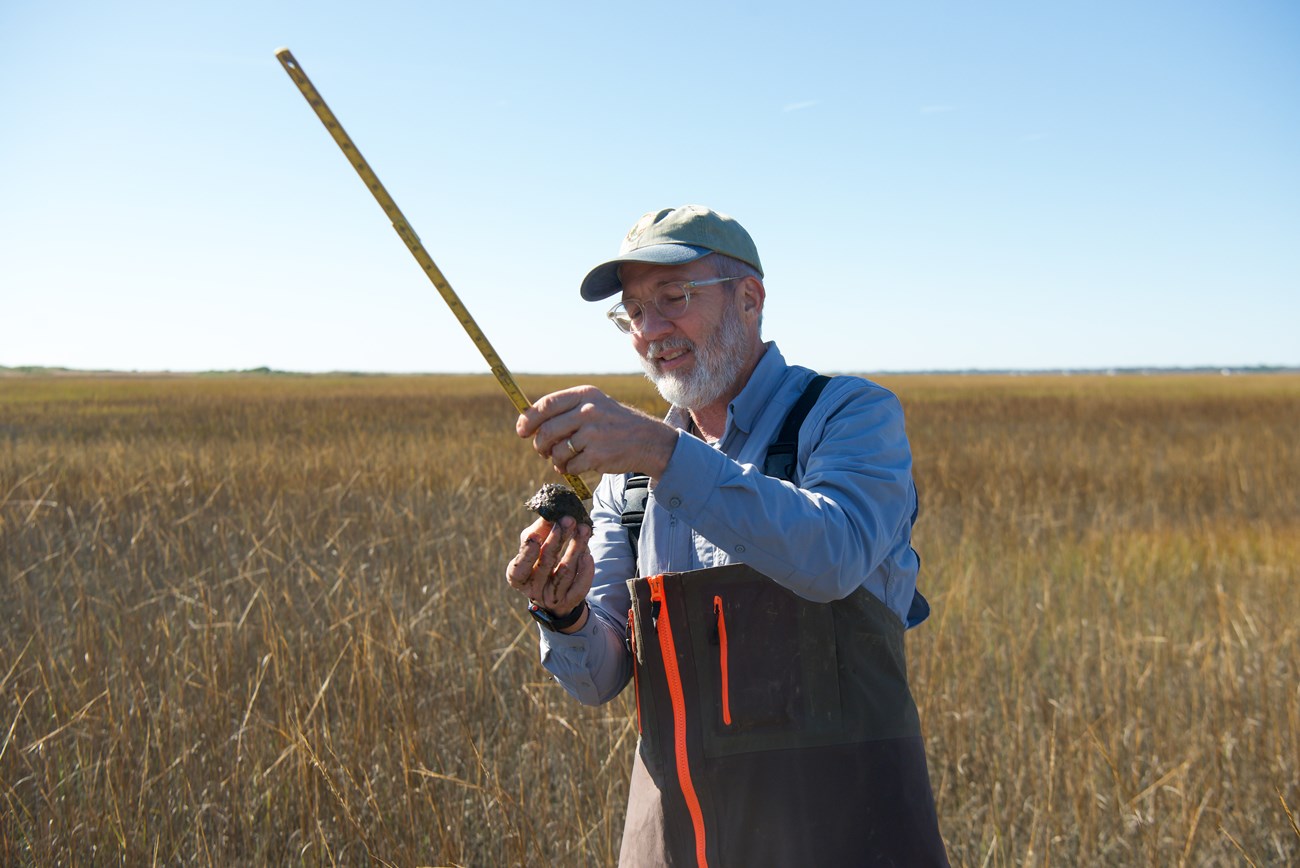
(553, 622)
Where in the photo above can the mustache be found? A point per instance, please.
(658, 348)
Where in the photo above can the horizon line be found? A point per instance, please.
(1110, 370)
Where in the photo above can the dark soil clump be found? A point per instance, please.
(554, 501)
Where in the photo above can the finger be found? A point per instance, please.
(548, 407)
(521, 572)
(552, 439)
(566, 573)
(586, 571)
(520, 568)
(566, 585)
(566, 460)
(552, 548)
(564, 448)
(563, 401)
(570, 598)
(536, 531)
(582, 408)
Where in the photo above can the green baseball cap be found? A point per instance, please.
(673, 236)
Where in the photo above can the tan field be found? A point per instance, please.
(263, 620)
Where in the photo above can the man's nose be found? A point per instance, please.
(653, 325)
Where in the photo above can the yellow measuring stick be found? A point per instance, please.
(413, 244)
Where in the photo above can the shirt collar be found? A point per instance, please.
(760, 389)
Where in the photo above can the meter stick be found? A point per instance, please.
(412, 242)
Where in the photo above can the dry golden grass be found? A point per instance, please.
(262, 620)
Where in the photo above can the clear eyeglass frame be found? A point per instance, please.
(671, 301)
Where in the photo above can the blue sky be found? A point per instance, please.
(930, 185)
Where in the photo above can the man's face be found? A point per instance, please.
(697, 358)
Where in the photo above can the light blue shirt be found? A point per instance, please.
(846, 524)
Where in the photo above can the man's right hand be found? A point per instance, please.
(583, 430)
(554, 568)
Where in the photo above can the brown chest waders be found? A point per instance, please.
(774, 731)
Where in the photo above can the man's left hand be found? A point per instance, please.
(553, 567)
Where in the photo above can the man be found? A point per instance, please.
(765, 640)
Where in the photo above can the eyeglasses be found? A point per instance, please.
(671, 302)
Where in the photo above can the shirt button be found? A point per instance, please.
(675, 502)
(740, 550)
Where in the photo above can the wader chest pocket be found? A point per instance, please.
(764, 661)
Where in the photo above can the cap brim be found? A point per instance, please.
(602, 281)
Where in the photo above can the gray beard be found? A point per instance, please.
(718, 363)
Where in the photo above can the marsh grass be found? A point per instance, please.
(262, 620)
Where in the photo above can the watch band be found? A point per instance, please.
(551, 621)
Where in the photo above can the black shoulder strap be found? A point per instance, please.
(782, 454)
(635, 494)
(780, 461)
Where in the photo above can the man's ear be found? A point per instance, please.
(752, 295)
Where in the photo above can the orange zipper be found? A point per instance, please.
(676, 694)
(722, 661)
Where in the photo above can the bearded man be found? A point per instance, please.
(759, 614)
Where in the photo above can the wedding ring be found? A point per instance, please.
(570, 444)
